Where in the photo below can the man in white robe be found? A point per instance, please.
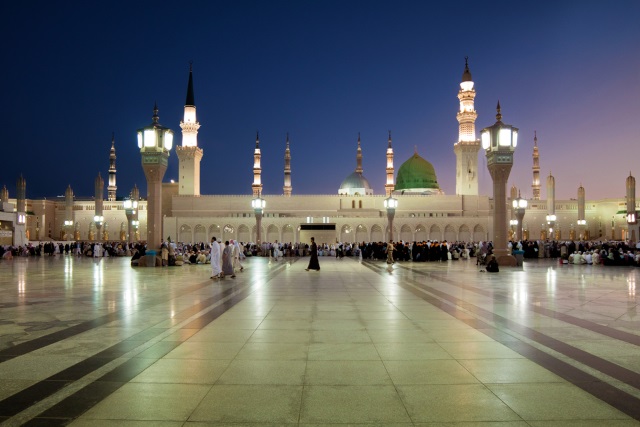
(216, 271)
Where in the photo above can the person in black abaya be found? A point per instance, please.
(313, 262)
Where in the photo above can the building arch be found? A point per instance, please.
(214, 231)
(435, 233)
(273, 234)
(376, 233)
(244, 234)
(362, 234)
(406, 234)
(288, 234)
(421, 233)
(123, 231)
(346, 233)
(228, 232)
(184, 235)
(450, 234)
(199, 234)
(464, 234)
(479, 234)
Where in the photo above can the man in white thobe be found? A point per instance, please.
(216, 271)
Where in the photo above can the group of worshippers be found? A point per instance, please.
(225, 258)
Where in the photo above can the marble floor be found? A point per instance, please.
(98, 343)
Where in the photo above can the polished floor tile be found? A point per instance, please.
(425, 344)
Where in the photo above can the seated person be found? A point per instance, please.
(201, 258)
(588, 258)
(492, 264)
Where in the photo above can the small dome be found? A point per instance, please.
(466, 75)
(355, 183)
(417, 174)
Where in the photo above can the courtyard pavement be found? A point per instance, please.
(87, 342)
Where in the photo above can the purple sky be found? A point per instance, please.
(322, 71)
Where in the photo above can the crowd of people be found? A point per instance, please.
(178, 253)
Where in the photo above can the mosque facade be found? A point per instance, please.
(354, 214)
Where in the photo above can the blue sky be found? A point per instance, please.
(323, 71)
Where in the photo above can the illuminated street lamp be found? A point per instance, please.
(499, 142)
(519, 207)
(390, 204)
(98, 220)
(551, 222)
(130, 209)
(155, 142)
(258, 204)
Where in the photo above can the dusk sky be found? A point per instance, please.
(74, 72)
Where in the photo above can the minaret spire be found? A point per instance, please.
(111, 189)
(287, 170)
(535, 186)
(468, 146)
(390, 185)
(359, 157)
(189, 154)
(257, 171)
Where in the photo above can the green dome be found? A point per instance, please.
(416, 174)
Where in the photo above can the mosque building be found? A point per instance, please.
(354, 214)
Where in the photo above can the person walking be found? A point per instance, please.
(313, 262)
(227, 261)
(390, 252)
(216, 271)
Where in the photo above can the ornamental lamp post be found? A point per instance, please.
(390, 204)
(499, 142)
(513, 223)
(98, 220)
(155, 142)
(130, 209)
(519, 207)
(551, 222)
(258, 204)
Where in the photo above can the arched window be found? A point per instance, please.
(353, 204)
(360, 204)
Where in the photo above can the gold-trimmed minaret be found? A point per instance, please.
(467, 147)
(390, 185)
(536, 168)
(257, 171)
(287, 170)
(189, 154)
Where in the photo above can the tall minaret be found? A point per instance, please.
(359, 157)
(21, 195)
(536, 168)
(257, 171)
(287, 170)
(390, 185)
(632, 221)
(111, 189)
(467, 147)
(68, 209)
(189, 154)
(20, 228)
(99, 191)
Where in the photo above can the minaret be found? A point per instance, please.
(21, 195)
(551, 195)
(467, 147)
(390, 185)
(20, 228)
(111, 189)
(4, 194)
(536, 168)
(359, 157)
(189, 155)
(257, 171)
(287, 170)
(514, 195)
(99, 192)
(68, 208)
(631, 208)
(583, 233)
